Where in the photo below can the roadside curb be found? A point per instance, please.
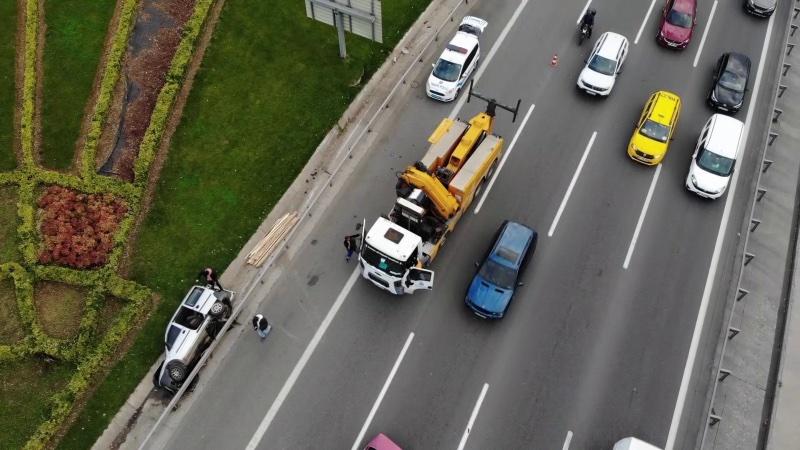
(336, 157)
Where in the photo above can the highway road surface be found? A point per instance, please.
(596, 343)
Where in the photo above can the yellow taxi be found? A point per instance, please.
(655, 128)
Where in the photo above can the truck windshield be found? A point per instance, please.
(383, 262)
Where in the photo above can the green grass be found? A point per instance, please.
(8, 28)
(59, 309)
(11, 329)
(73, 45)
(8, 224)
(25, 390)
(247, 131)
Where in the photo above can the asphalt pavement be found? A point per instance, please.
(595, 345)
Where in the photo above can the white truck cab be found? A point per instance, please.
(390, 259)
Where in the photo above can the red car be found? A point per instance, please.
(677, 23)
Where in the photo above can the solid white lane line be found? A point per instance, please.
(567, 441)
(705, 33)
(357, 443)
(644, 22)
(503, 160)
(712, 271)
(490, 55)
(472, 417)
(301, 363)
(583, 11)
(571, 185)
(641, 217)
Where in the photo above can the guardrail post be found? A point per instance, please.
(772, 136)
(781, 90)
(748, 257)
(796, 10)
(794, 28)
(786, 67)
(754, 223)
(713, 419)
(741, 294)
(760, 194)
(732, 332)
(723, 373)
(767, 163)
(776, 114)
(789, 48)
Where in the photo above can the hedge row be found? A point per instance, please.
(29, 82)
(113, 68)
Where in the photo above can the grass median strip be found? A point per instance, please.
(8, 29)
(73, 45)
(270, 88)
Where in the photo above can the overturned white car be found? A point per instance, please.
(193, 327)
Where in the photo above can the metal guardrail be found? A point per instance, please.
(712, 418)
(305, 214)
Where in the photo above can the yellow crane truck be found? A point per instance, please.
(432, 195)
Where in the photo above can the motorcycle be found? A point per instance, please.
(583, 33)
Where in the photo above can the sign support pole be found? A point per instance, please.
(338, 18)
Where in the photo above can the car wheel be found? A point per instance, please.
(218, 310)
(177, 370)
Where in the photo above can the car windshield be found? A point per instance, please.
(714, 163)
(446, 70)
(732, 81)
(498, 274)
(680, 19)
(603, 65)
(655, 130)
(382, 262)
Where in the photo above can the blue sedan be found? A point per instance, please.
(491, 290)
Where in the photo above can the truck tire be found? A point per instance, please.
(177, 370)
(219, 310)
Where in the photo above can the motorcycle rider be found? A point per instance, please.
(588, 21)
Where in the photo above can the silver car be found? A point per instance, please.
(194, 325)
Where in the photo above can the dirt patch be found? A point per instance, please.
(107, 314)
(11, 329)
(59, 308)
(154, 39)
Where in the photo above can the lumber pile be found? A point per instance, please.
(270, 242)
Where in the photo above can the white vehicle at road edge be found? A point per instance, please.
(457, 62)
(604, 64)
(714, 157)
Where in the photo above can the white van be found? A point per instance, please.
(632, 443)
(714, 156)
(458, 61)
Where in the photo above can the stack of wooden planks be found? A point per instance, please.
(270, 242)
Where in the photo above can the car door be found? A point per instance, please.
(416, 279)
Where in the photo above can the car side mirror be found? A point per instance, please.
(521, 283)
(477, 264)
(433, 65)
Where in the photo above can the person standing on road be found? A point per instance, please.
(351, 245)
(209, 275)
(261, 325)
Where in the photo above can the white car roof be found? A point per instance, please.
(611, 44)
(392, 240)
(632, 443)
(725, 134)
(460, 40)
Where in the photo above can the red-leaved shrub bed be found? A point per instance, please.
(77, 229)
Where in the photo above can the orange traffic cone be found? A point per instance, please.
(554, 61)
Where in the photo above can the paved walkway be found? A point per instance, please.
(743, 400)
